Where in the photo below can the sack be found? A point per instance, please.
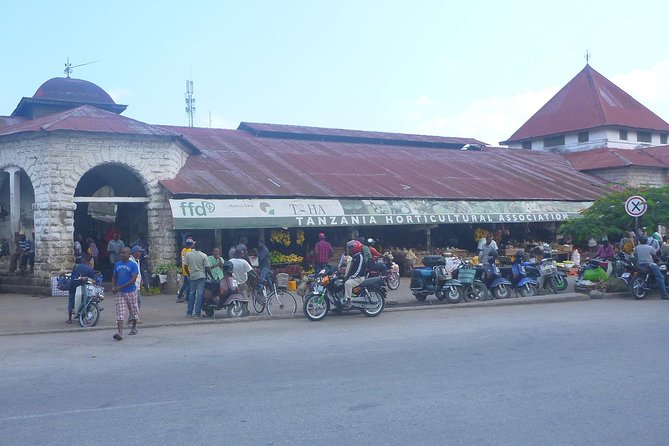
(64, 281)
(595, 275)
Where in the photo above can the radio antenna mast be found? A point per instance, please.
(190, 102)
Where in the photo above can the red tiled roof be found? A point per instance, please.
(588, 101)
(72, 90)
(235, 163)
(86, 119)
(328, 134)
(609, 157)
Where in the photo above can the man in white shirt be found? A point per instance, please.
(240, 271)
(487, 247)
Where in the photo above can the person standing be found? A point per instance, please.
(123, 285)
(240, 271)
(264, 261)
(490, 246)
(216, 264)
(92, 251)
(81, 269)
(114, 248)
(78, 250)
(197, 264)
(184, 291)
(135, 256)
(243, 241)
(323, 251)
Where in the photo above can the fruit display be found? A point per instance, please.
(480, 233)
(277, 257)
(280, 237)
(300, 237)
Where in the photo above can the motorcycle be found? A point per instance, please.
(499, 287)
(328, 293)
(522, 284)
(547, 274)
(435, 278)
(392, 277)
(224, 294)
(469, 277)
(645, 280)
(87, 300)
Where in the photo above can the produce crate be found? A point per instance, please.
(290, 269)
(282, 280)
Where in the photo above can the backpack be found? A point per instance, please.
(63, 282)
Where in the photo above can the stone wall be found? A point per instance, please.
(55, 163)
(634, 175)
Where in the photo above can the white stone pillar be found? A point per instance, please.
(14, 198)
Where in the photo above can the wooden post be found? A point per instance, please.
(428, 241)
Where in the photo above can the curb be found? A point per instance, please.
(414, 306)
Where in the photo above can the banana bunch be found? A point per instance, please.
(280, 237)
(300, 237)
(480, 233)
(277, 257)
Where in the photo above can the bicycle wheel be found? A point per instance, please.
(259, 299)
(281, 302)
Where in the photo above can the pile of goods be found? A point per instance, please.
(281, 237)
(277, 257)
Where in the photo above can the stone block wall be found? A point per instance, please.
(55, 163)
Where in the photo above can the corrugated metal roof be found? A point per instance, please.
(234, 163)
(610, 157)
(588, 101)
(86, 119)
(343, 135)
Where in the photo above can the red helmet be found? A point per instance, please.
(353, 246)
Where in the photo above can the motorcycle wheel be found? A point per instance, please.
(89, 316)
(453, 295)
(638, 290)
(501, 291)
(393, 280)
(420, 297)
(528, 290)
(560, 283)
(237, 309)
(316, 307)
(551, 285)
(373, 297)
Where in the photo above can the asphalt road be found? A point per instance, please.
(586, 373)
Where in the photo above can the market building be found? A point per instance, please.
(73, 164)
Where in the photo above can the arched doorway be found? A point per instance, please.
(110, 198)
(17, 197)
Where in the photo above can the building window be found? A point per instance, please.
(527, 145)
(663, 138)
(623, 135)
(643, 136)
(583, 136)
(554, 141)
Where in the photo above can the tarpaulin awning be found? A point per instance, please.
(195, 213)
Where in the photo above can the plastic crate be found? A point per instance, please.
(282, 280)
(466, 275)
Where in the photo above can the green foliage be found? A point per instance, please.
(165, 267)
(607, 215)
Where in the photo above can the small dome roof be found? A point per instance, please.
(72, 90)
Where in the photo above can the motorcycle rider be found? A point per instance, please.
(377, 263)
(355, 273)
(644, 254)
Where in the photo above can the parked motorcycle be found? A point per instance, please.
(522, 284)
(87, 298)
(547, 274)
(645, 281)
(392, 277)
(224, 294)
(469, 277)
(435, 278)
(498, 286)
(328, 293)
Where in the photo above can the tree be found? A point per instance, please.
(607, 216)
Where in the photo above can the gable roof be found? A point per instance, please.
(607, 157)
(588, 101)
(238, 164)
(344, 135)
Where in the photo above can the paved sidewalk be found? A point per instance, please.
(23, 314)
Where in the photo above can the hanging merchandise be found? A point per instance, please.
(280, 237)
(300, 237)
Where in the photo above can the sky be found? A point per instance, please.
(467, 69)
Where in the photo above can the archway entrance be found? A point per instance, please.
(110, 198)
(16, 215)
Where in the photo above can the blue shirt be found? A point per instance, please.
(124, 272)
(80, 270)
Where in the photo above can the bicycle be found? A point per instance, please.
(274, 296)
